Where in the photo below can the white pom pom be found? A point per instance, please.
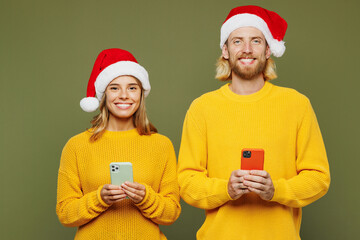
(89, 104)
(277, 48)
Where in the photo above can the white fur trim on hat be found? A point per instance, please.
(120, 69)
(89, 104)
(277, 48)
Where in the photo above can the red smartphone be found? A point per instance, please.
(252, 159)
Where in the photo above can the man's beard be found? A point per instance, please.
(246, 72)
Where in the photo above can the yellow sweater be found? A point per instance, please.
(218, 125)
(84, 169)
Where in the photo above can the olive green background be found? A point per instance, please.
(48, 48)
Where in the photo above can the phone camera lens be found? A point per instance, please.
(247, 154)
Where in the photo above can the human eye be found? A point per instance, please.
(237, 41)
(133, 88)
(257, 41)
(113, 88)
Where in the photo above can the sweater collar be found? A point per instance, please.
(128, 133)
(225, 90)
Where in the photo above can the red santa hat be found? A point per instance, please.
(110, 64)
(269, 23)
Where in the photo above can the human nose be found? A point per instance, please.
(123, 94)
(247, 47)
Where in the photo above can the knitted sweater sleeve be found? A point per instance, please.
(196, 188)
(313, 176)
(73, 207)
(163, 206)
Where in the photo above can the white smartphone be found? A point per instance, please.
(121, 172)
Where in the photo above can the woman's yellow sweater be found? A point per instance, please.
(218, 125)
(84, 169)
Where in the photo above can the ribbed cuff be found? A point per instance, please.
(227, 192)
(279, 191)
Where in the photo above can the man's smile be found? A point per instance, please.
(247, 61)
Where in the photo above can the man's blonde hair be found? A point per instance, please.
(223, 69)
(140, 119)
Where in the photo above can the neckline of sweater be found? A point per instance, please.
(246, 98)
(127, 133)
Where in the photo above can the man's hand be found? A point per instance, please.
(260, 183)
(135, 191)
(236, 187)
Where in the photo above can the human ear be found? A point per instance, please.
(267, 52)
(225, 52)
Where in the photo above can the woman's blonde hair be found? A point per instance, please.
(140, 119)
(223, 69)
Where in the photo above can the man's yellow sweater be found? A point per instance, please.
(218, 125)
(84, 169)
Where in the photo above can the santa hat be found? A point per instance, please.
(110, 64)
(269, 23)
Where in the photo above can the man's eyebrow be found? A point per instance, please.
(237, 37)
(117, 84)
(258, 37)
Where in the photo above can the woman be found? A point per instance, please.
(120, 133)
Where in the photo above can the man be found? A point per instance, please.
(251, 113)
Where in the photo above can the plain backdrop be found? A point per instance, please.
(48, 48)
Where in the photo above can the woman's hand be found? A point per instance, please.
(112, 193)
(135, 191)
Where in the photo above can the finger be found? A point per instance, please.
(130, 193)
(135, 185)
(254, 178)
(260, 173)
(257, 191)
(111, 187)
(240, 173)
(134, 191)
(236, 179)
(115, 192)
(245, 191)
(134, 188)
(116, 197)
(255, 185)
(127, 187)
(239, 186)
(133, 196)
(120, 199)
